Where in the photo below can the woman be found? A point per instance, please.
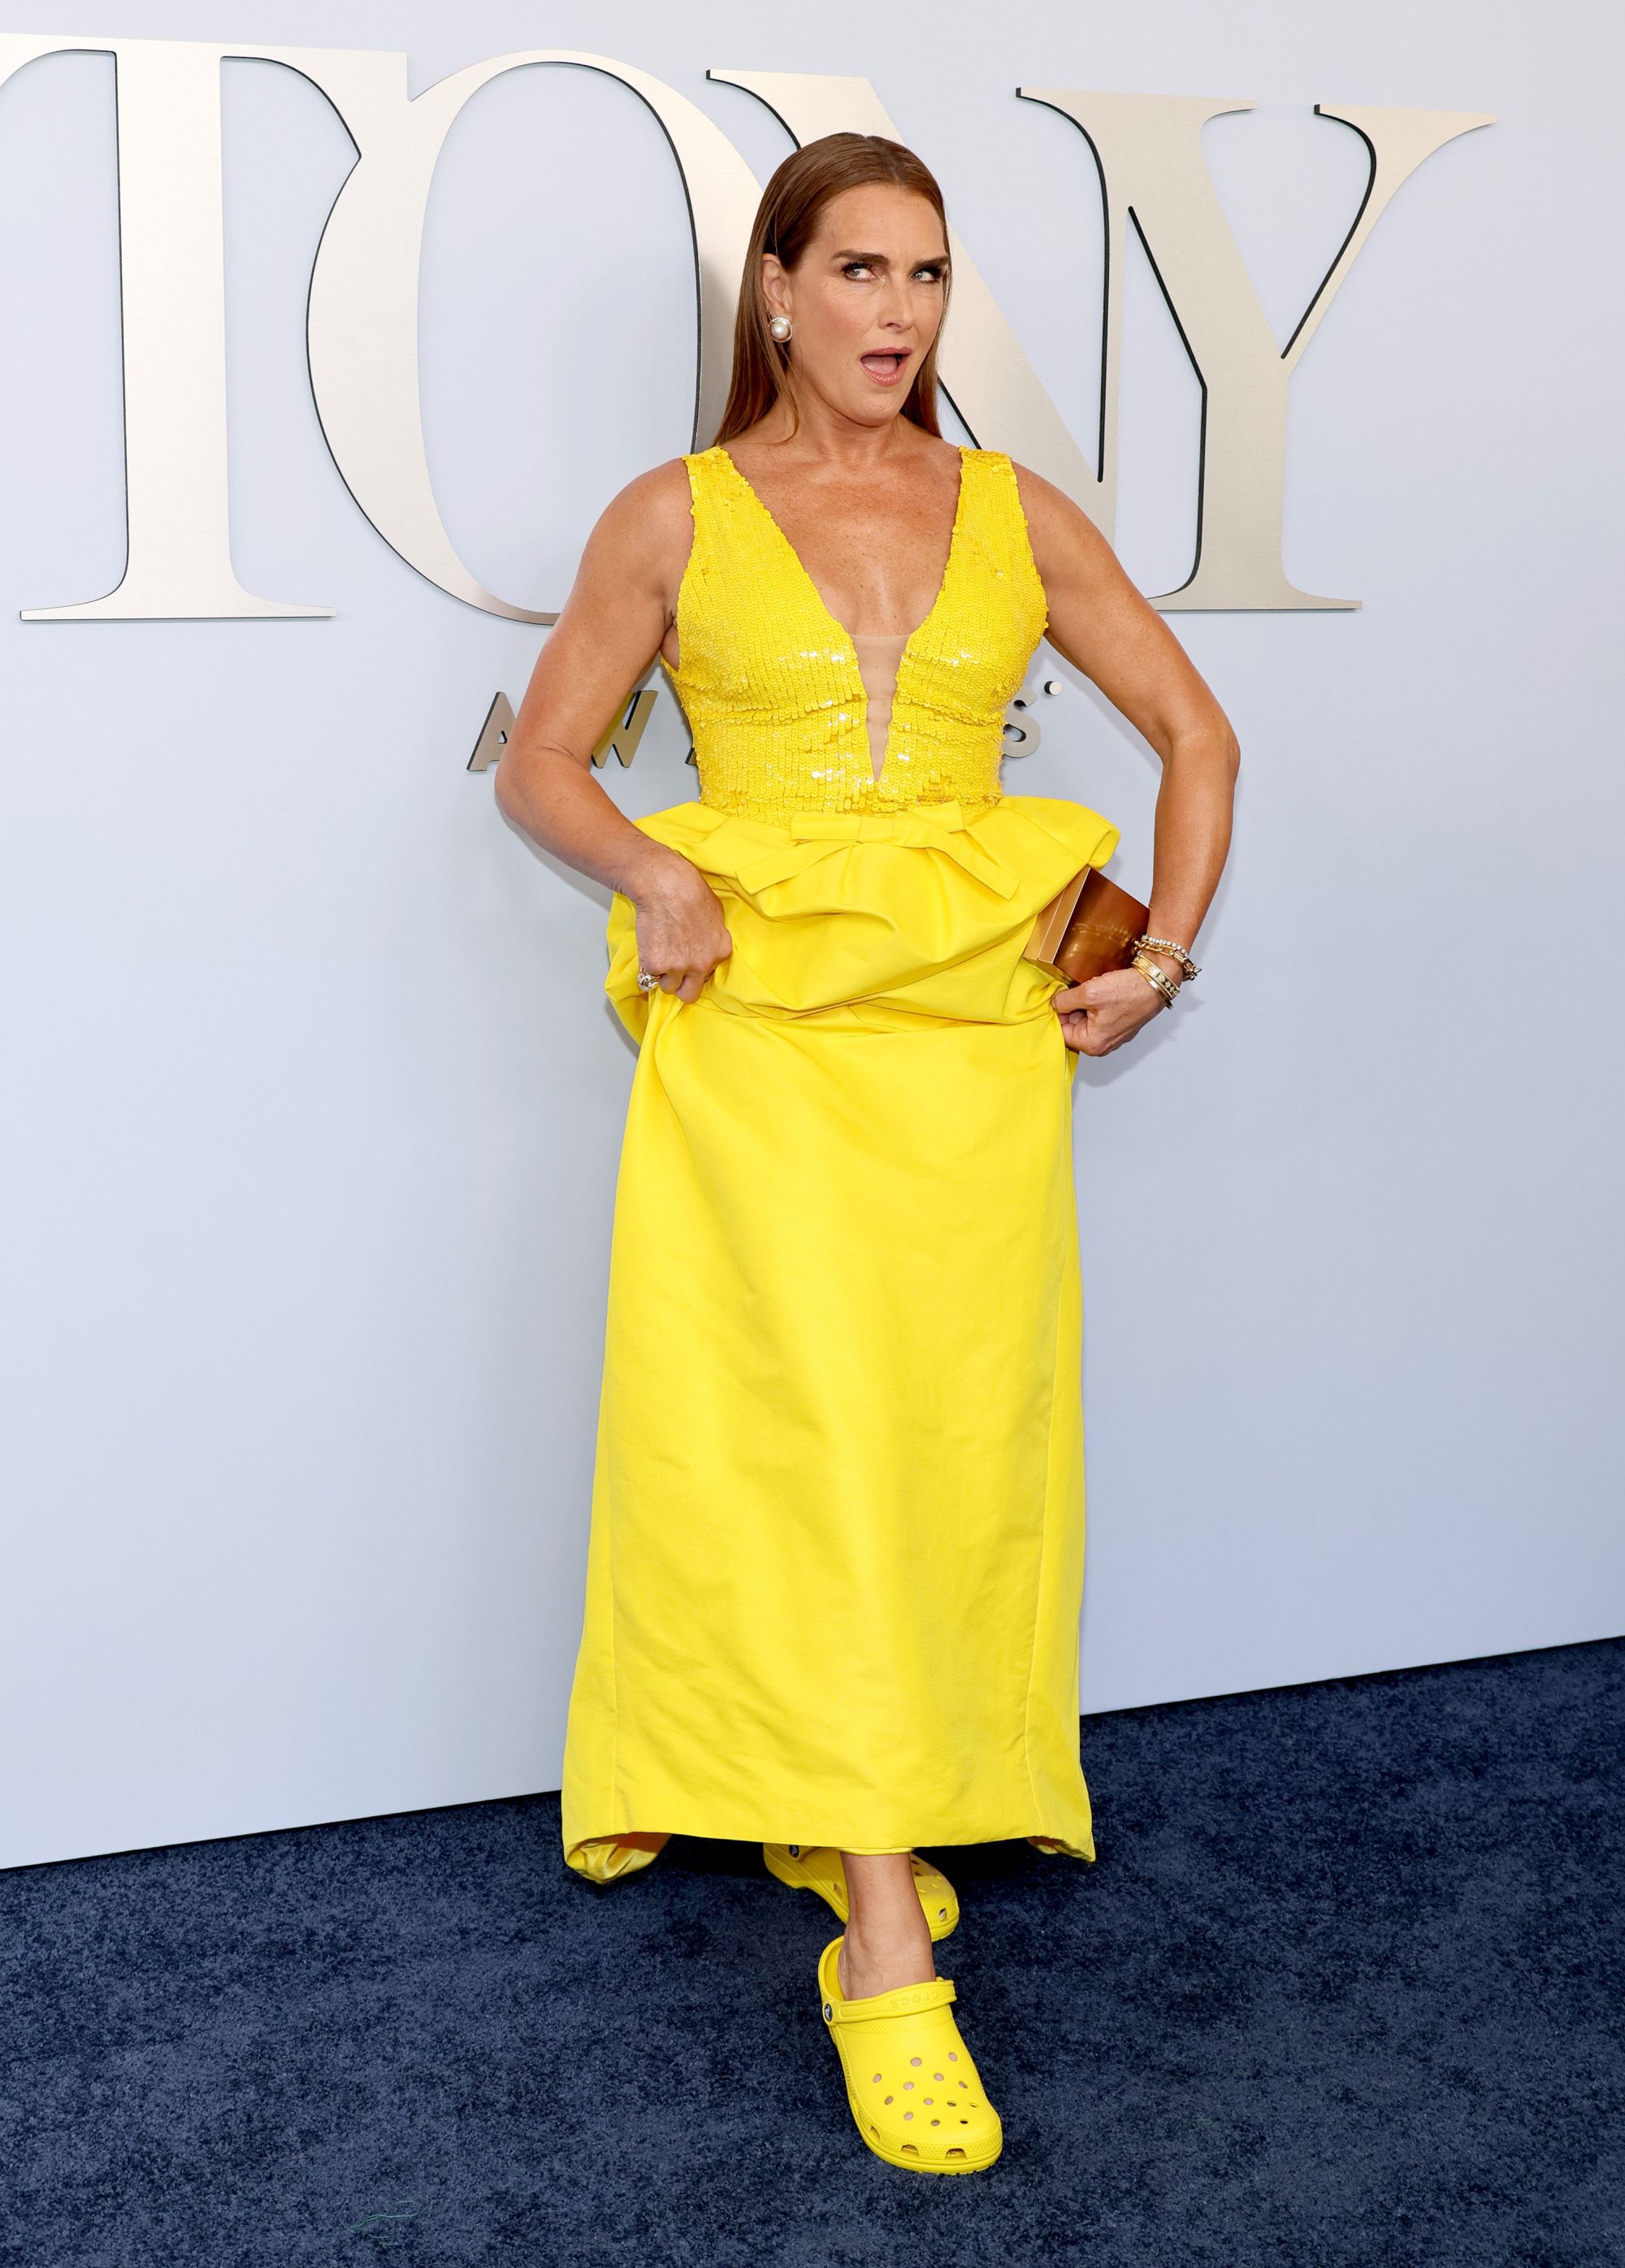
(837, 1546)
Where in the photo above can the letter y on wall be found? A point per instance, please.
(1148, 149)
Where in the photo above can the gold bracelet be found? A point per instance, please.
(1188, 967)
(1157, 978)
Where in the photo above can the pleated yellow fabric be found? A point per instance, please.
(837, 1525)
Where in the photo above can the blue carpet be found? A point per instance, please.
(1344, 1986)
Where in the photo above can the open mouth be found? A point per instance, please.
(888, 367)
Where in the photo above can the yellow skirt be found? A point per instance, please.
(837, 1530)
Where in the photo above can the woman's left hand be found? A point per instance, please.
(1101, 1014)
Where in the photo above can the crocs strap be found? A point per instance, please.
(906, 2000)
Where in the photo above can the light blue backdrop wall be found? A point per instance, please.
(312, 1099)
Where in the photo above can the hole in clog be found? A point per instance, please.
(930, 2098)
(909, 2150)
(953, 2055)
(914, 2059)
(936, 2074)
(908, 2114)
(878, 2078)
(908, 2087)
(937, 2122)
(955, 2152)
(891, 2098)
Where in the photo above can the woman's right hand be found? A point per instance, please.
(680, 931)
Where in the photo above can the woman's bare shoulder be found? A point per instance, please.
(1060, 531)
(656, 503)
(646, 528)
(1047, 507)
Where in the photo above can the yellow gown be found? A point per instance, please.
(837, 1548)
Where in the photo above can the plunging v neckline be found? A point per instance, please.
(834, 622)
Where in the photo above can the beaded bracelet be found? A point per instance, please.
(1189, 968)
(1157, 978)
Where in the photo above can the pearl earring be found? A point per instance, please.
(780, 328)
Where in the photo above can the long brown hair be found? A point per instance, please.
(785, 221)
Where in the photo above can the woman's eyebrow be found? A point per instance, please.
(880, 260)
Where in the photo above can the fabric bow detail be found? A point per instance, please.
(815, 834)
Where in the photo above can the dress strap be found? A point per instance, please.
(1002, 491)
(1002, 525)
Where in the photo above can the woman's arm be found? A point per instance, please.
(1104, 627)
(618, 611)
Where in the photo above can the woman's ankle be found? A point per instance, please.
(884, 1961)
(888, 1941)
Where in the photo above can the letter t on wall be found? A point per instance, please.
(172, 261)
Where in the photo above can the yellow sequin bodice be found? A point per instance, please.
(771, 686)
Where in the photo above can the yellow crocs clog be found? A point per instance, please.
(914, 2093)
(815, 1866)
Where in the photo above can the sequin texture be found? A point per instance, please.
(771, 686)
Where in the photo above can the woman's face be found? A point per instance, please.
(865, 301)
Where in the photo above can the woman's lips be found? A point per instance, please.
(886, 368)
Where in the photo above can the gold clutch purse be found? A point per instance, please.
(1087, 928)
